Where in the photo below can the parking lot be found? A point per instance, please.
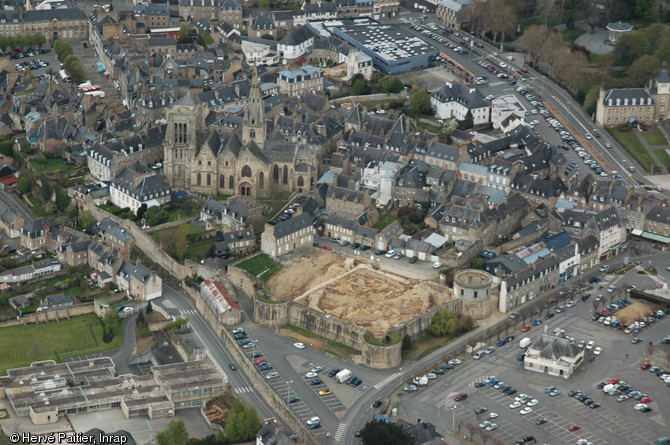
(612, 422)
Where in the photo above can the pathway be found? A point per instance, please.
(651, 149)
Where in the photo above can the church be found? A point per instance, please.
(250, 156)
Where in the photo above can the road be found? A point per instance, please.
(174, 299)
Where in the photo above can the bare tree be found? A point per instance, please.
(485, 436)
(650, 348)
(460, 423)
(667, 357)
(472, 429)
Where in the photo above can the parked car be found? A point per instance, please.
(460, 397)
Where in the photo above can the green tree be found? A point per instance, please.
(149, 308)
(78, 74)
(4, 43)
(141, 211)
(382, 433)
(69, 62)
(62, 199)
(420, 102)
(174, 434)
(242, 423)
(591, 98)
(477, 263)
(467, 122)
(264, 4)
(390, 85)
(8, 263)
(155, 215)
(47, 190)
(642, 70)
(360, 88)
(205, 39)
(406, 343)
(62, 49)
(445, 322)
(183, 34)
(40, 40)
(180, 242)
(355, 77)
(24, 185)
(86, 219)
(644, 9)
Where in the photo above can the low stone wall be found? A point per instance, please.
(51, 315)
(169, 224)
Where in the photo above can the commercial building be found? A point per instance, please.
(552, 355)
(63, 24)
(393, 49)
(46, 390)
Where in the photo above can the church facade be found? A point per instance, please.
(253, 158)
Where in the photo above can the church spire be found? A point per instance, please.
(253, 128)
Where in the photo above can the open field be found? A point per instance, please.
(654, 137)
(633, 146)
(22, 345)
(261, 266)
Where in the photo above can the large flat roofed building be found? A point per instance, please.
(46, 390)
(393, 49)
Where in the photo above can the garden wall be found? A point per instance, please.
(51, 315)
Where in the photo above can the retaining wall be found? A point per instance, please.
(51, 315)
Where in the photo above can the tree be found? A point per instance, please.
(69, 62)
(24, 185)
(420, 102)
(8, 263)
(460, 423)
(643, 69)
(149, 308)
(445, 322)
(360, 87)
(390, 84)
(382, 433)
(472, 429)
(62, 200)
(174, 434)
(141, 211)
(242, 423)
(62, 49)
(406, 343)
(650, 348)
(155, 215)
(264, 4)
(477, 263)
(183, 34)
(644, 9)
(86, 219)
(47, 190)
(205, 39)
(40, 40)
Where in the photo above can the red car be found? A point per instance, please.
(645, 366)
(574, 427)
(645, 399)
(260, 360)
(461, 396)
(326, 247)
(525, 328)
(614, 381)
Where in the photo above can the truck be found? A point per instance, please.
(421, 381)
(342, 376)
(525, 342)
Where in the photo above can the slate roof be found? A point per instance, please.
(139, 271)
(640, 95)
(131, 182)
(297, 37)
(230, 5)
(285, 228)
(607, 219)
(44, 15)
(659, 214)
(466, 95)
(553, 347)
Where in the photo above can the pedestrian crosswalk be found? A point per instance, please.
(340, 431)
(244, 389)
(186, 312)
(387, 380)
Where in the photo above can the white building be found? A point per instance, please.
(295, 44)
(506, 108)
(380, 178)
(455, 99)
(555, 356)
(359, 63)
(136, 186)
(610, 230)
(260, 53)
(138, 281)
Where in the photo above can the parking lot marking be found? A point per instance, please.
(340, 431)
(658, 419)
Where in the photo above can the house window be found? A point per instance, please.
(261, 180)
(209, 179)
(231, 182)
(199, 179)
(222, 181)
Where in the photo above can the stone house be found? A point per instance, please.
(347, 203)
(235, 243)
(138, 281)
(286, 236)
(527, 283)
(608, 227)
(588, 248)
(347, 229)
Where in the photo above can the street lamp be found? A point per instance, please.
(453, 417)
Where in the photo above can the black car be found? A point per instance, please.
(380, 252)
(540, 421)
(353, 381)
(366, 248)
(332, 372)
(356, 383)
(594, 405)
(377, 404)
(479, 384)
(510, 392)
(573, 392)
(480, 410)
(316, 382)
(315, 244)
(257, 354)
(232, 367)
(549, 315)
(438, 371)
(355, 246)
(601, 385)
(528, 438)
(413, 260)
(293, 399)
(521, 356)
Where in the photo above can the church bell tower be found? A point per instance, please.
(253, 128)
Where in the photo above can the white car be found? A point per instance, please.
(271, 375)
(515, 405)
(525, 411)
(454, 362)
(503, 65)
(590, 344)
(622, 398)
(572, 303)
(484, 424)
(313, 421)
(597, 350)
(493, 415)
(317, 368)
(532, 402)
(640, 406)
(299, 345)
(437, 265)
(611, 289)
(535, 122)
(520, 397)
(310, 375)
(390, 254)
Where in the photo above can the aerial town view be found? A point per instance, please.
(356, 222)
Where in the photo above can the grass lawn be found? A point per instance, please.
(654, 137)
(32, 200)
(277, 201)
(111, 208)
(199, 249)
(188, 227)
(385, 221)
(570, 35)
(633, 146)
(22, 345)
(76, 291)
(38, 211)
(662, 156)
(261, 266)
(49, 164)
